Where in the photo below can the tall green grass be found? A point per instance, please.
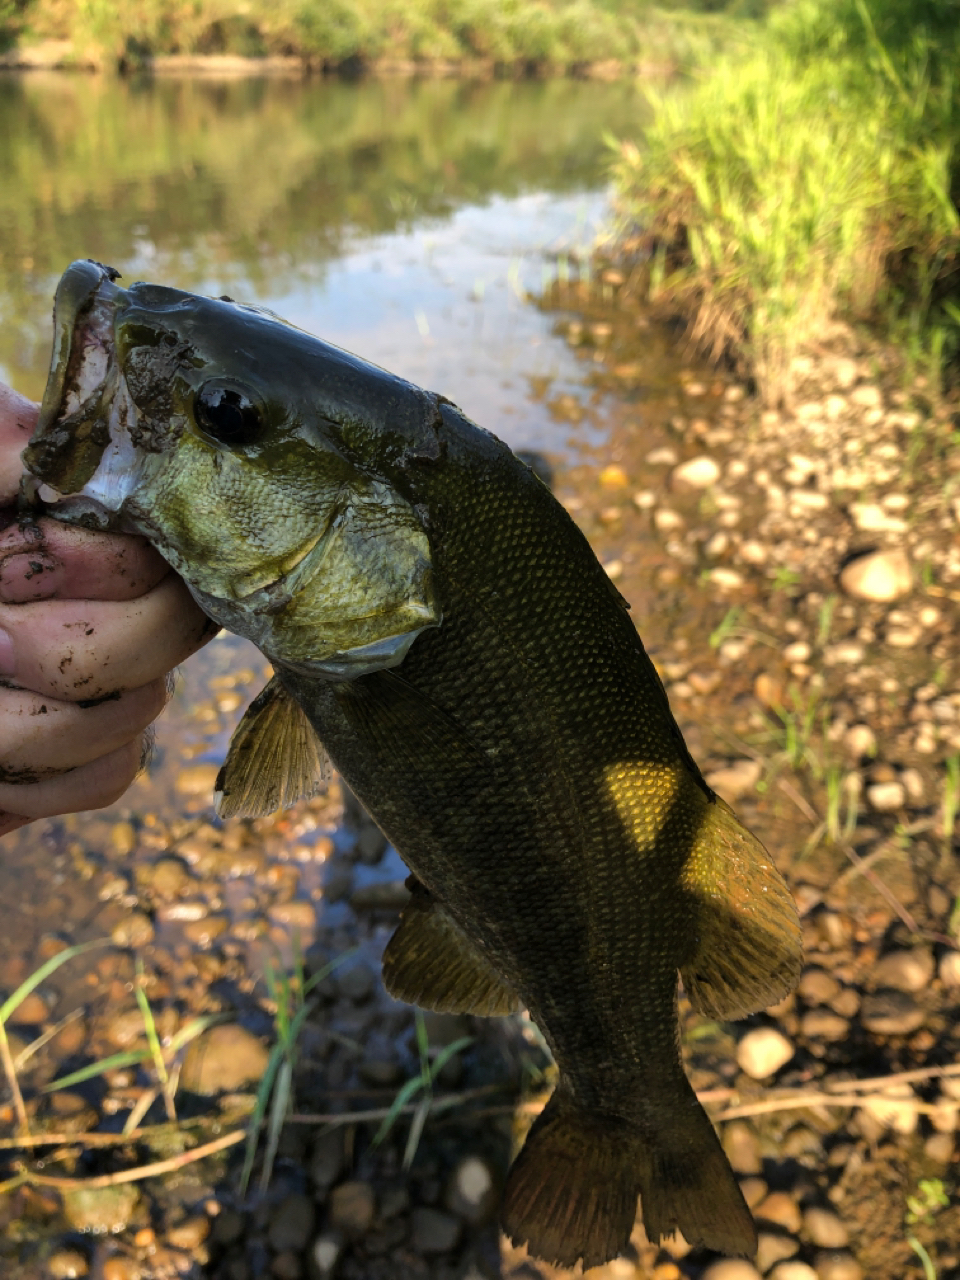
(810, 177)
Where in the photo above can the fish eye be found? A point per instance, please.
(227, 414)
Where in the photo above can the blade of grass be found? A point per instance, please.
(279, 1106)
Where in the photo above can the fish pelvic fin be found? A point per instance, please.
(431, 962)
(275, 757)
(748, 952)
(572, 1192)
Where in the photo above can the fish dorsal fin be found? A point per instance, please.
(749, 950)
(275, 758)
(431, 962)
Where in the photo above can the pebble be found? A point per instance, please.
(949, 969)
(816, 986)
(893, 1109)
(432, 1231)
(731, 1269)
(753, 552)
(891, 1013)
(120, 1268)
(726, 579)
(389, 895)
(125, 1028)
(696, 473)
(352, 1206)
(878, 575)
(860, 741)
(824, 1024)
(837, 1265)
(66, 1264)
(754, 1192)
(165, 878)
(327, 1159)
(100, 1210)
(224, 1059)
(292, 1224)
(885, 797)
(665, 457)
(870, 517)
(773, 1247)
(31, 1010)
(904, 970)
(205, 930)
(780, 1208)
(792, 1269)
(286, 1266)
(197, 780)
(136, 931)
(190, 1233)
(294, 915)
(742, 1147)
(939, 1148)
(735, 780)
(825, 1228)
(613, 477)
(123, 838)
(763, 1051)
(472, 1191)
(666, 520)
(325, 1253)
(356, 981)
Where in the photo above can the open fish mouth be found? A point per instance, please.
(81, 458)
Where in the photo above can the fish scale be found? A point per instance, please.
(440, 624)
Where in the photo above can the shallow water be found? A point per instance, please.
(408, 221)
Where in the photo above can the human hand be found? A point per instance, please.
(90, 625)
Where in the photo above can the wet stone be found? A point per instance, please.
(371, 845)
(763, 1051)
(165, 879)
(120, 1268)
(325, 1253)
(472, 1192)
(223, 1060)
(754, 1192)
(356, 981)
(100, 1210)
(190, 1233)
(949, 969)
(65, 1264)
(227, 1227)
(816, 986)
(742, 1147)
(904, 970)
(125, 1028)
(294, 915)
(292, 1224)
(286, 1266)
(847, 1003)
(824, 1228)
(837, 1265)
(135, 931)
(824, 1024)
(731, 1269)
(780, 1208)
(774, 1247)
(352, 1206)
(197, 780)
(879, 575)
(327, 1159)
(392, 895)
(939, 1148)
(381, 1072)
(338, 883)
(433, 1231)
(891, 1013)
(30, 1011)
(792, 1269)
(206, 930)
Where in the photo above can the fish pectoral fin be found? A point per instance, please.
(748, 952)
(431, 962)
(275, 758)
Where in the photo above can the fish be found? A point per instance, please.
(442, 632)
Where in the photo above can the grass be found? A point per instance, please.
(805, 179)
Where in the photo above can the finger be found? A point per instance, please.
(91, 786)
(78, 650)
(49, 560)
(18, 417)
(40, 737)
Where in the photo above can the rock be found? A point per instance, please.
(696, 473)
(356, 981)
(31, 1010)
(286, 1266)
(886, 797)
(291, 1225)
(381, 1072)
(327, 1159)
(123, 838)
(666, 520)
(352, 1206)
(939, 1148)
(891, 1013)
(389, 895)
(338, 883)
(792, 1269)
(613, 477)
(65, 1264)
(878, 575)
(774, 1247)
(893, 1108)
(824, 1024)
(165, 878)
(753, 552)
(825, 1229)
(432, 1231)
(816, 986)
(100, 1210)
(190, 1233)
(472, 1191)
(731, 1269)
(371, 845)
(780, 1208)
(949, 969)
(197, 780)
(202, 932)
(742, 1147)
(754, 1192)
(763, 1051)
(125, 1028)
(904, 970)
(228, 1227)
(664, 457)
(325, 1253)
(120, 1268)
(860, 741)
(736, 779)
(294, 915)
(837, 1265)
(223, 1060)
(870, 517)
(136, 931)
(726, 579)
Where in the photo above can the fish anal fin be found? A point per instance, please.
(275, 757)
(748, 952)
(431, 962)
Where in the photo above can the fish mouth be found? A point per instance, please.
(79, 408)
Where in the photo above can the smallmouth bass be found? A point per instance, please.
(440, 625)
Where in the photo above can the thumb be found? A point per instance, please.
(18, 417)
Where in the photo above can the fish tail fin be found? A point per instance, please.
(748, 952)
(572, 1191)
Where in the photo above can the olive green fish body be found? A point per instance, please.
(445, 628)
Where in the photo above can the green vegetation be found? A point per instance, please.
(808, 176)
(528, 33)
